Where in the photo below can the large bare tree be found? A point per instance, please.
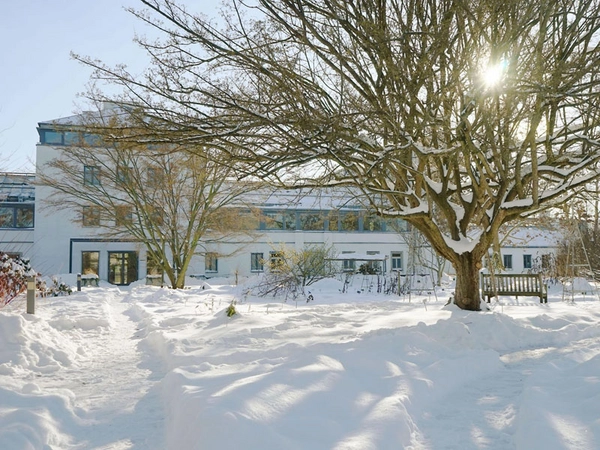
(133, 185)
(456, 115)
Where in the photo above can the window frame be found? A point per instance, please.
(394, 258)
(84, 269)
(90, 216)
(507, 261)
(123, 215)
(91, 175)
(257, 262)
(211, 262)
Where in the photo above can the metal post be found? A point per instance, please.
(30, 295)
(78, 282)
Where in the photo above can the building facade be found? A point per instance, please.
(64, 240)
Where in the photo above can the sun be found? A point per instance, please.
(493, 74)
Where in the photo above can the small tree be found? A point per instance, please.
(289, 271)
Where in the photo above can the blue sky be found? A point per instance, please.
(38, 78)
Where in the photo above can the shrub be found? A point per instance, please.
(13, 277)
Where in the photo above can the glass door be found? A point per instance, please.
(122, 268)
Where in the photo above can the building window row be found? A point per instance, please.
(69, 138)
(257, 262)
(350, 221)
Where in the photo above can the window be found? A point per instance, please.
(123, 174)
(16, 216)
(91, 175)
(275, 261)
(274, 221)
(372, 223)
(123, 215)
(53, 137)
(156, 215)
(280, 220)
(249, 220)
(333, 222)
(348, 265)
(311, 221)
(155, 176)
(90, 263)
(90, 216)
(7, 217)
(24, 217)
(256, 262)
(153, 265)
(211, 262)
(350, 222)
(72, 138)
(396, 260)
(527, 264)
(507, 260)
(395, 225)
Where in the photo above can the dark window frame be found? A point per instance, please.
(257, 262)
(91, 175)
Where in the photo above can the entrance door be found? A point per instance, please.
(122, 268)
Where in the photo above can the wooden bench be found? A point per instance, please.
(514, 284)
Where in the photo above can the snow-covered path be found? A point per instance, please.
(107, 385)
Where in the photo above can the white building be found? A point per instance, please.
(291, 219)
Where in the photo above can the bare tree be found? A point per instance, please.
(456, 116)
(173, 202)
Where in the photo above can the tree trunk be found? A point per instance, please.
(466, 293)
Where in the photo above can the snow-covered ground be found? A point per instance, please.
(151, 368)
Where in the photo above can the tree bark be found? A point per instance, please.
(466, 293)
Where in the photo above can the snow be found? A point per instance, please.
(149, 368)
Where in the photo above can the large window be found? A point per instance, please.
(16, 216)
(349, 221)
(91, 175)
(508, 262)
(52, 137)
(280, 220)
(311, 221)
(23, 217)
(90, 263)
(90, 216)
(122, 267)
(211, 262)
(256, 262)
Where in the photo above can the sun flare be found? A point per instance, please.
(493, 74)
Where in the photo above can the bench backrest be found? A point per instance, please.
(512, 282)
